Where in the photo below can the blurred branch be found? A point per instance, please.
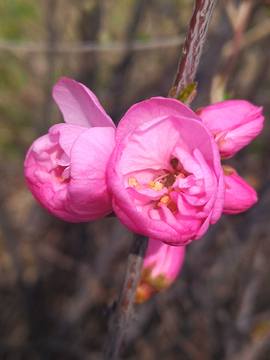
(192, 50)
(238, 17)
(10, 235)
(254, 351)
(249, 37)
(122, 70)
(51, 57)
(90, 46)
(124, 309)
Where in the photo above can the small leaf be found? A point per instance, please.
(188, 94)
(172, 92)
(226, 96)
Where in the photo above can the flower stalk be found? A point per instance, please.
(124, 308)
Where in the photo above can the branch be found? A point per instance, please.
(124, 309)
(192, 50)
(90, 46)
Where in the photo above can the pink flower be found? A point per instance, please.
(161, 266)
(165, 172)
(66, 169)
(234, 123)
(239, 194)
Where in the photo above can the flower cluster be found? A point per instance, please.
(160, 170)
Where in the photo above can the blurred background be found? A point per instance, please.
(58, 280)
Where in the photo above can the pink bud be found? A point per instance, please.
(234, 124)
(161, 266)
(239, 194)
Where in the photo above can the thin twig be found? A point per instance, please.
(51, 57)
(250, 37)
(90, 46)
(238, 32)
(124, 308)
(192, 50)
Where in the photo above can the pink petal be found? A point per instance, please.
(88, 186)
(66, 135)
(152, 109)
(79, 105)
(150, 149)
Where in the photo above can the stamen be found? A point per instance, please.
(162, 178)
(180, 176)
(63, 180)
(133, 182)
(157, 185)
(167, 201)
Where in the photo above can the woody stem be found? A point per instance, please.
(124, 308)
(192, 49)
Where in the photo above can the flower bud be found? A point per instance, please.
(161, 266)
(234, 124)
(239, 194)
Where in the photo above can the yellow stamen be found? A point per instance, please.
(133, 182)
(157, 186)
(167, 201)
(63, 180)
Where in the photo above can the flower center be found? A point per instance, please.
(160, 182)
(62, 173)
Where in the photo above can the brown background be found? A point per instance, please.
(58, 280)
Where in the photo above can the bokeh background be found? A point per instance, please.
(58, 280)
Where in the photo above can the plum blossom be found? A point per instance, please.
(66, 169)
(234, 124)
(165, 172)
(161, 266)
(240, 196)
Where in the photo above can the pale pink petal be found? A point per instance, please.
(150, 149)
(79, 105)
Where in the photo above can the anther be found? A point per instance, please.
(157, 185)
(133, 182)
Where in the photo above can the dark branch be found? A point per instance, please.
(124, 309)
(192, 50)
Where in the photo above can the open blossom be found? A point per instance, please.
(66, 169)
(161, 266)
(165, 172)
(234, 124)
(239, 194)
